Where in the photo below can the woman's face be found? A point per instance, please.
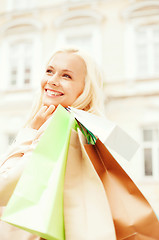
(64, 80)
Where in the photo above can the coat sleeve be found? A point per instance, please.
(14, 161)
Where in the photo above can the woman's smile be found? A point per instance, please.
(53, 93)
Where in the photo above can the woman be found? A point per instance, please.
(71, 79)
(77, 82)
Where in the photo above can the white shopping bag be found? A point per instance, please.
(108, 132)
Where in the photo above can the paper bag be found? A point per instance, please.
(87, 212)
(37, 202)
(133, 216)
(108, 132)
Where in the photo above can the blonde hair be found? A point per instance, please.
(91, 99)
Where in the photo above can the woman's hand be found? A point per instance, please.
(42, 115)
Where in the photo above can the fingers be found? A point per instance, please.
(45, 111)
(50, 110)
(42, 115)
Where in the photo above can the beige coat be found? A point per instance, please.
(86, 210)
(11, 167)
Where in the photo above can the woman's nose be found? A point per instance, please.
(54, 80)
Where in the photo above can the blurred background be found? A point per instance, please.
(123, 37)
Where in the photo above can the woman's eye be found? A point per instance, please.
(66, 76)
(49, 71)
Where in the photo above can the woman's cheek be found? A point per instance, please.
(43, 82)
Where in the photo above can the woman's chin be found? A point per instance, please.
(55, 104)
(46, 102)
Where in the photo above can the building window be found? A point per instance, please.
(142, 39)
(82, 41)
(85, 37)
(150, 138)
(147, 52)
(20, 63)
(11, 138)
(81, 29)
(20, 4)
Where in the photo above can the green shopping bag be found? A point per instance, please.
(37, 202)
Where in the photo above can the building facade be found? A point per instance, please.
(122, 36)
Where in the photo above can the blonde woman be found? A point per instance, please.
(71, 79)
(85, 89)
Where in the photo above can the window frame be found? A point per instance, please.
(81, 30)
(131, 52)
(4, 60)
(11, 5)
(154, 145)
(21, 66)
(150, 50)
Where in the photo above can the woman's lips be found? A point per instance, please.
(53, 93)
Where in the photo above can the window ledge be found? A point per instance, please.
(148, 181)
(16, 90)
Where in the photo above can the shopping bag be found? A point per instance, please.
(87, 212)
(134, 218)
(108, 132)
(37, 202)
